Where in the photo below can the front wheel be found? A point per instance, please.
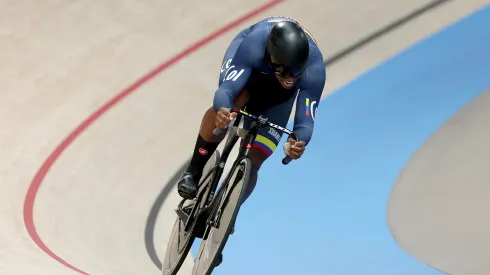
(180, 241)
(224, 217)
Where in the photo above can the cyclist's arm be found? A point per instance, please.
(311, 88)
(248, 56)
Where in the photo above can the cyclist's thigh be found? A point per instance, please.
(268, 138)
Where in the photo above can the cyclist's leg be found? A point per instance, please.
(267, 140)
(206, 144)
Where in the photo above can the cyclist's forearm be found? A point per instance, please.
(304, 132)
(222, 99)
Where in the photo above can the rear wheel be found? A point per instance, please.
(180, 242)
(223, 220)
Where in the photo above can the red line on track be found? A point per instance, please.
(48, 163)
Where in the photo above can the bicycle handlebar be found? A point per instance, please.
(286, 160)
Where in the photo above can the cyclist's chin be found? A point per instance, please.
(286, 83)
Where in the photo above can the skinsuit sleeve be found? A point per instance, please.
(311, 88)
(248, 56)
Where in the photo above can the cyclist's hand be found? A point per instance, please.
(294, 149)
(223, 118)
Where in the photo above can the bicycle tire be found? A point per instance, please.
(171, 262)
(214, 244)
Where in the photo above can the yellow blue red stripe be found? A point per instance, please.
(307, 106)
(276, 19)
(264, 144)
(311, 36)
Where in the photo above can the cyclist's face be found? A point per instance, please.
(286, 82)
(286, 76)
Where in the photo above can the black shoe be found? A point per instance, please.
(187, 186)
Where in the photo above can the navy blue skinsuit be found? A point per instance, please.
(245, 67)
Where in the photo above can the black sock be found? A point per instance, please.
(203, 150)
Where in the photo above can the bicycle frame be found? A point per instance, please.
(244, 152)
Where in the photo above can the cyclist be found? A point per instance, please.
(267, 67)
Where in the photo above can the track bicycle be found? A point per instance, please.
(211, 215)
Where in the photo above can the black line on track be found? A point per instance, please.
(383, 31)
(155, 209)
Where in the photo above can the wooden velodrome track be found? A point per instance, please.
(101, 102)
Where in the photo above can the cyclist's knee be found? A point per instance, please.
(257, 157)
(264, 147)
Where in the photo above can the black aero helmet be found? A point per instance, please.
(288, 49)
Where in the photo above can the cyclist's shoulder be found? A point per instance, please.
(314, 77)
(266, 24)
(271, 20)
(252, 47)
